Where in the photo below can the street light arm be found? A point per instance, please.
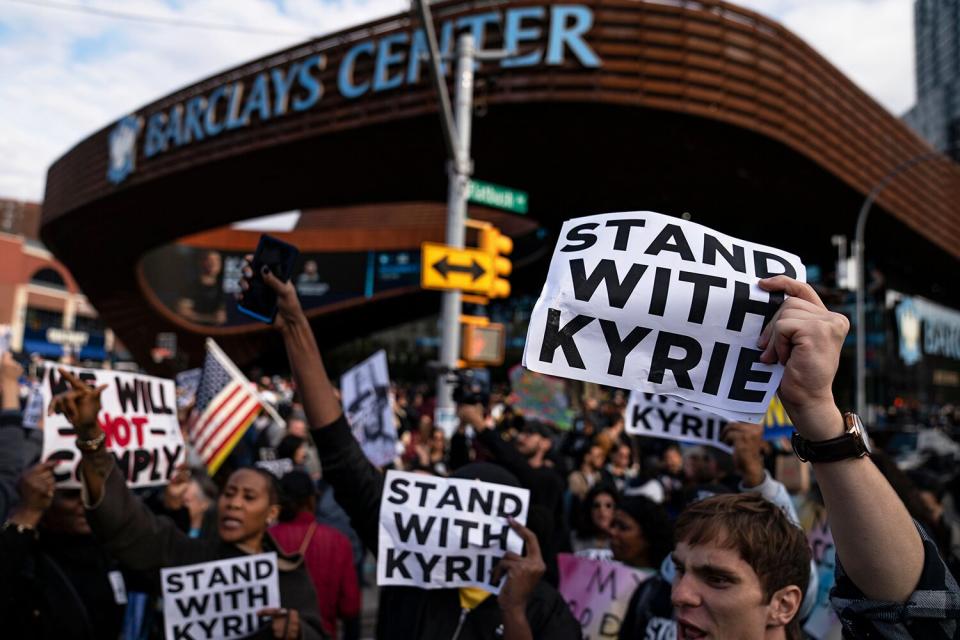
(436, 74)
(858, 253)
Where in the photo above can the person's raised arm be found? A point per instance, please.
(121, 522)
(357, 483)
(876, 539)
(320, 403)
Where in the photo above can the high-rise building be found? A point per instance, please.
(936, 116)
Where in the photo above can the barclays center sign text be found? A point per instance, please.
(398, 59)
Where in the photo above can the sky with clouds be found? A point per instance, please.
(64, 74)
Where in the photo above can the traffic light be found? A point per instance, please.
(497, 246)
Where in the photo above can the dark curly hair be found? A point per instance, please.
(655, 524)
(585, 527)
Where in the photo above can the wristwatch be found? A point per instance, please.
(852, 444)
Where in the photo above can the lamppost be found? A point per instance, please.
(858, 249)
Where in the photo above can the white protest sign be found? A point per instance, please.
(278, 468)
(366, 401)
(438, 533)
(187, 384)
(33, 411)
(137, 415)
(598, 592)
(647, 302)
(219, 599)
(663, 417)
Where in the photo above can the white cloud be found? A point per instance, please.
(871, 41)
(65, 75)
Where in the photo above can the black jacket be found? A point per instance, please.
(39, 600)
(408, 613)
(142, 541)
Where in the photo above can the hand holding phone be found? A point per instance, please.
(259, 300)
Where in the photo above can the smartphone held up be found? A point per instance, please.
(259, 301)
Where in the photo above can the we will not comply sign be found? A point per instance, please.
(647, 302)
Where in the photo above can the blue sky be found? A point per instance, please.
(65, 75)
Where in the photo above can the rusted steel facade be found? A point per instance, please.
(680, 106)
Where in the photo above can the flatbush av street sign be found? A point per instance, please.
(494, 195)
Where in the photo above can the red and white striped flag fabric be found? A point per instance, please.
(227, 404)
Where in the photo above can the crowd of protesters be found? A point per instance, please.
(735, 543)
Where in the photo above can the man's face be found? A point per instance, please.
(717, 595)
(595, 458)
(672, 461)
(528, 443)
(699, 467)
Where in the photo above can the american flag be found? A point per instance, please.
(227, 404)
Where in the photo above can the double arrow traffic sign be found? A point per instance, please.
(447, 268)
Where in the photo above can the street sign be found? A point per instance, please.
(447, 268)
(494, 195)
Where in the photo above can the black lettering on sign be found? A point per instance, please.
(718, 358)
(701, 292)
(193, 605)
(606, 271)
(63, 455)
(413, 525)
(640, 417)
(396, 562)
(459, 566)
(514, 509)
(554, 336)
(579, 234)
(128, 393)
(735, 258)
(680, 367)
(398, 493)
(466, 526)
(620, 348)
(208, 626)
(183, 633)
(623, 232)
(426, 565)
(744, 304)
(671, 238)
(690, 424)
(661, 286)
(257, 595)
(450, 498)
(667, 418)
(745, 373)
(599, 582)
(761, 265)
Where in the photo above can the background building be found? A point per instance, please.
(39, 299)
(936, 116)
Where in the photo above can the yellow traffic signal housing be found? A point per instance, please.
(497, 246)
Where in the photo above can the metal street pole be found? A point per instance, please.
(858, 251)
(458, 170)
(456, 123)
